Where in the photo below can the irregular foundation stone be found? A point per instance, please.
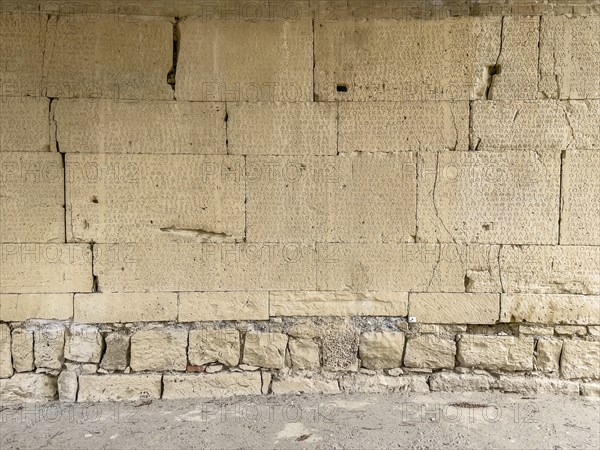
(430, 352)
(214, 385)
(265, 350)
(550, 308)
(102, 388)
(159, 350)
(116, 356)
(209, 346)
(580, 359)
(382, 383)
(28, 388)
(524, 385)
(548, 355)
(461, 382)
(6, 365)
(22, 350)
(302, 385)
(381, 350)
(49, 341)
(84, 344)
(67, 386)
(496, 352)
(304, 354)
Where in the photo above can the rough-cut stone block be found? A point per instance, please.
(551, 308)
(67, 386)
(496, 352)
(366, 383)
(451, 381)
(403, 126)
(136, 198)
(579, 359)
(123, 307)
(489, 197)
(340, 346)
(205, 306)
(454, 308)
(430, 352)
(204, 267)
(45, 268)
(106, 126)
(322, 303)
(570, 330)
(265, 350)
(381, 350)
(28, 388)
(49, 342)
(116, 388)
(108, 58)
(550, 269)
(214, 385)
(24, 124)
(569, 57)
(6, 366)
(543, 125)
(32, 186)
(302, 385)
(282, 128)
(22, 307)
(116, 356)
(407, 267)
(304, 354)
(22, 350)
(331, 198)
(580, 215)
(84, 344)
(210, 346)
(590, 389)
(529, 386)
(430, 59)
(547, 355)
(245, 61)
(159, 350)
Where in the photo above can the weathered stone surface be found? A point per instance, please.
(158, 198)
(569, 57)
(295, 128)
(524, 385)
(32, 189)
(550, 308)
(49, 341)
(489, 197)
(335, 198)
(381, 383)
(407, 267)
(433, 59)
(245, 61)
(204, 267)
(320, 303)
(116, 356)
(104, 388)
(67, 386)
(430, 352)
(24, 125)
(304, 354)
(339, 346)
(302, 385)
(579, 359)
(28, 388)
(203, 306)
(22, 307)
(6, 366)
(580, 215)
(403, 126)
(224, 384)
(123, 307)
(458, 382)
(265, 350)
(45, 268)
(570, 330)
(454, 308)
(550, 269)
(82, 61)
(381, 350)
(590, 389)
(106, 126)
(84, 344)
(159, 350)
(22, 350)
(219, 345)
(547, 357)
(536, 330)
(496, 352)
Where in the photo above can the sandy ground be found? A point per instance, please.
(368, 421)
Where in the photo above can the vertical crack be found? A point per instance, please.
(500, 269)
(314, 96)
(560, 193)
(495, 69)
(226, 130)
(176, 39)
(245, 199)
(94, 276)
(539, 68)
(417, 165)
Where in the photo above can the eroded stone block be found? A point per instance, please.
(204, 306)
(265, 350)
(22, 307)
(84, 344)
(459, 382)
(28, 388)
(579, 359)
(366, 383)
(302, 385)
(67, 386)
(214, 385)
(496, 352)
(430, 352)
(304, 354)
(102, 307)
(6, 366)
(210, 346)
(551, 308)
(22, 350)
(381, 350)
(548, 352)
(116, 356)
(159, 350)
(24, 123)
(117, 388)
(49, 341)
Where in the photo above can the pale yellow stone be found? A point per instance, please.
(551, 308)
(302, 385)
(459, 382)
(104, 388)
(454, 308)
(204, 306)
(537, 330)
(22, 307)
(570, 330)
(125, 307)
(214, 385)
(28, 388)
(265, 350)
(6, 366)
(210, 346)
(83, 344)
(24, 125)
(579, 359)
(304, 354)
(381, 350)
(526, 385)
(364, 383)
(22, 350)
(159, 350)
(67, 386)
(49, 341)
(430, 352)
(547, 357)
(496, 352)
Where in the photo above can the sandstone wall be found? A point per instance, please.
(233, 198)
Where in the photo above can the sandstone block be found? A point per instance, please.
(32, 188)
(67, 386)
(430, 352)
(459, 382)
(116, 356)
(381, 383)
(204, 306)
(403, 126)
(550, 308)
(49, 342)
(334, 198)
(210, 346)
(496, 352)
(489, 197)
(536, 330)
(339, 346)
(320, 303)
(296, 128)
(159, 350)
(218, 60)
(224, 384)
(570, 330)
(528, 386)
(547, 357)
(454, 308)
(579, 359)
(25, 124)
(6, 365)
(181, 198)
(22, 350)
(124, 307)
(302, 385)
(116, 388)
(84, 344)
(22, 307)
(304, 354)
(107, 126)
(590, 389)
(381, 350)
(28, 388)
(265, 350)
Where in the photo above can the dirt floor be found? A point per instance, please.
(368, 421)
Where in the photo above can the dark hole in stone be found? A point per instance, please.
(94, 199)
(494, 70)
(342, 88)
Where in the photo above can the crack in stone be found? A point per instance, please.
(195, 232)
(435, 208)
(494, 70)
(568, 120)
